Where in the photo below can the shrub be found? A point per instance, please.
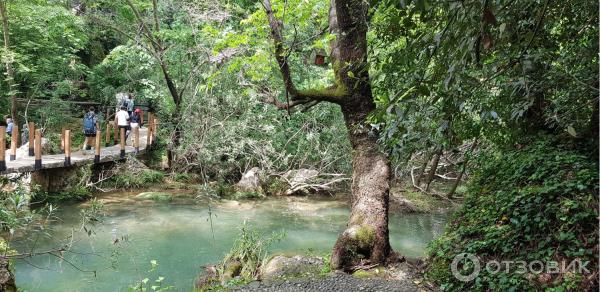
(537, 203)
(136, 179)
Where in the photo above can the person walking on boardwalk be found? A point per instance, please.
(130, 104)
(135, 119)
(122, 120)
(90, 128)
(9, 126)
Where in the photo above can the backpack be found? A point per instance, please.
(89, 123)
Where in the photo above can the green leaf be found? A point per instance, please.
(571, 131)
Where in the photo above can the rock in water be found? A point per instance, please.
(155, 196)
(291, 267)
(250, 182)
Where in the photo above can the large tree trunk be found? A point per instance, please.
(9, 69)
(366, 238)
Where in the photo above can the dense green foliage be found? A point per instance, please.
(536, 203)
(519, 77)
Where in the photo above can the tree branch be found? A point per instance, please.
(332, 94)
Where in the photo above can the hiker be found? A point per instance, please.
(122, 120)
(135, 119)
(90, 127)
(9, 126)
(130, 104)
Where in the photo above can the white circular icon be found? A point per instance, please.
(465, 257)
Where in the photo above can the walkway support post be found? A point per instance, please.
(97, 146)
(14, 142)
(2, 149)
(37, 149)
(67, 147)
(136, 139)
(107, 140)
(122, 143)
(31, 127)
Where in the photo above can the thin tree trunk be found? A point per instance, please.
(433, 168)
(423, 168)
(9, 69)
(450, 194)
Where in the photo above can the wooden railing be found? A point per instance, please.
(35, 142)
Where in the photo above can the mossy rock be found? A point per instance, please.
(372, 273)
(155, 196)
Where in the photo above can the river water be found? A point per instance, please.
(177, 235)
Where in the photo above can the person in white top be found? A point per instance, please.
(122, 120)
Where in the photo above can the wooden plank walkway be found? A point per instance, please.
(111, 153)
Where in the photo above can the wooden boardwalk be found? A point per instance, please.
(111, 153)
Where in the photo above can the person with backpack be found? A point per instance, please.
(135, 119)
(90, 127)
(122, 120)
(129, 104)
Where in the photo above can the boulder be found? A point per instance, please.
(399, 203)
(23, 151)
(250, 182)
(282, 267)
(155, 196)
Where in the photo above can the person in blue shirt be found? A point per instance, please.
(9, 126)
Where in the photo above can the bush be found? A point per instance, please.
(537, 203)
(136, 179)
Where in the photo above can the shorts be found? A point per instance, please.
(89, 135)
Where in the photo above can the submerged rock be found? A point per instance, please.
(291, 267)
(155, 196)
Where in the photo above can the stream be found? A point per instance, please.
(177, 235)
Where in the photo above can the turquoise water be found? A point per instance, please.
(178, 236)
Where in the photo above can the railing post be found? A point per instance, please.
(136, 139)
(14, 142)
(2, 149)
(97, 146)
(107, 140)
(154, 130)
(122, 143)
(68, 148)
(116, 132)
(62, 139)
(31, 127)
(149, 136)
(37, 149)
